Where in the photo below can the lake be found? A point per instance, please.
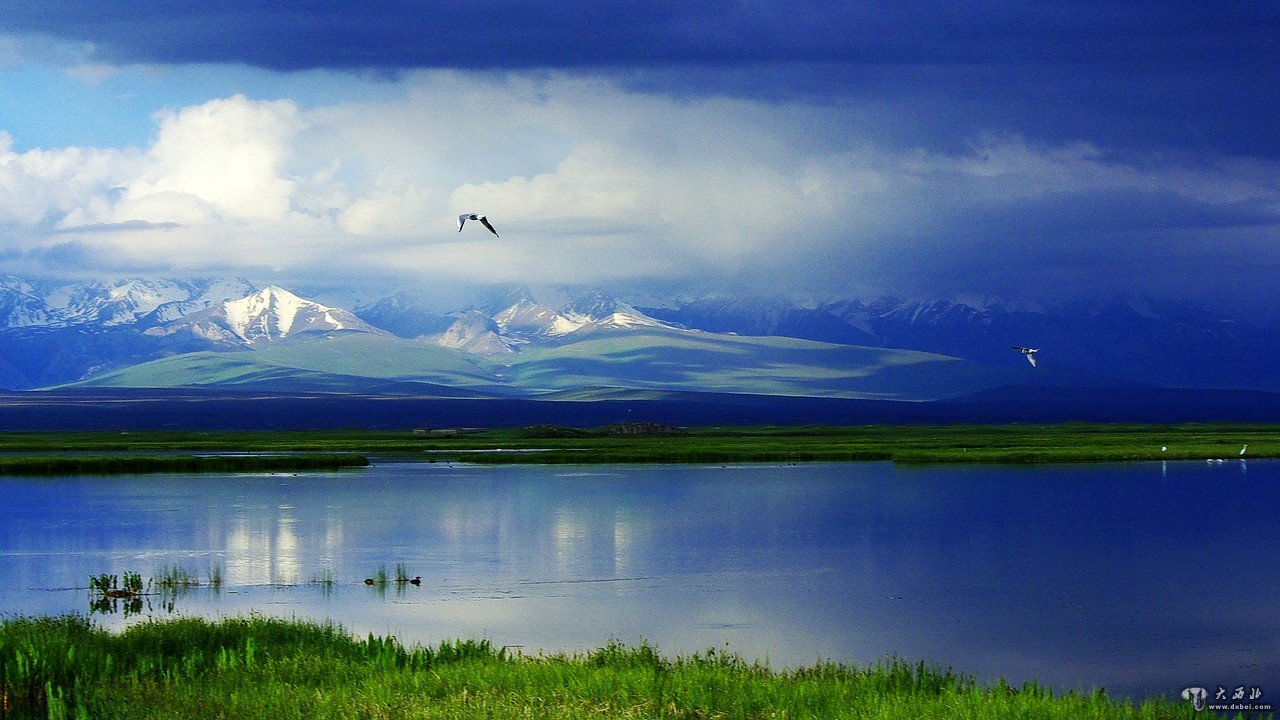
(1141, 578)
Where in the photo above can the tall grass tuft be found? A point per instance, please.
(215, 576)
(174, 577)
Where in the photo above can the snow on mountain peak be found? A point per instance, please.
(527, 317)
(214, 292)
(477, 333)
(269, 314)
(273, 313)
(624, 318)
(117, 303)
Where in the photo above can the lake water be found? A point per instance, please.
(1141, 578)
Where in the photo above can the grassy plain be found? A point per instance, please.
(65, 667)
(1067, 442)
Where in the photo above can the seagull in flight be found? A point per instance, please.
(473, 216)
(1029, 352)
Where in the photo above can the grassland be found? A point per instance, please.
(65, 667)
(1070, 442)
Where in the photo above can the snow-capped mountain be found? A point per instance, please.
(592, 305)
(595, 310)
(124, 302)
(623, 317)
(495, 327)
(528, 322)
(526, 318)
(211, 294)
(272, 313)
(57, 332)
(108, 304)
(476, 333)
(21, 304)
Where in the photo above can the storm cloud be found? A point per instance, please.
(518, 35)
(1131, 74)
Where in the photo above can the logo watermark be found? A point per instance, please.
(1196, 695)
(1235, 698)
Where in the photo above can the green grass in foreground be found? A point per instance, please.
(64, 667)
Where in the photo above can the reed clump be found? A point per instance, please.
(260, 667)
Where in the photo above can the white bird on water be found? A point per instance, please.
(1029, 352)
(473, 216)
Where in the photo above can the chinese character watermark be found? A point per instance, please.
(1234, 698)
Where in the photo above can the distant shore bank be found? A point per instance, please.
(231, 451)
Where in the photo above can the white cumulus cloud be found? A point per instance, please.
(223, 159)
(588, 182)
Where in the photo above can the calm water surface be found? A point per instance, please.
(1141, 578)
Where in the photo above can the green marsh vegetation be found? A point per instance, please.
(66, 667)
(108, 594)
(1068, 442)
(323, 578)
(630, 443)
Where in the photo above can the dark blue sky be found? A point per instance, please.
(1199, 75)
(926, 147)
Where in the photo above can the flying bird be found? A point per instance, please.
(473, 216)
(1029, 352)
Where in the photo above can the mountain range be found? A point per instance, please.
(231, 333)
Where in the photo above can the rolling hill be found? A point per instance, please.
(650, 358)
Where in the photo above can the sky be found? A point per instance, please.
(997, 150)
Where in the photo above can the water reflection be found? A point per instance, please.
(1140, 578)
(285, 561)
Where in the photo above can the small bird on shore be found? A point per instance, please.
(464, 217)
(1030, 354)
(1246, 447)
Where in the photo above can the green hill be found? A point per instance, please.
(648, 360)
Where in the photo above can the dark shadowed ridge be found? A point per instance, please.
(141, 409)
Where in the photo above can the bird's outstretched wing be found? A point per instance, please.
(485, 221)
(1032, 359)
(461, 219)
